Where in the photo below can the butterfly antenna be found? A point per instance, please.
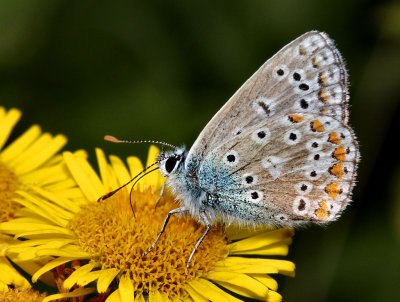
(130, 195)
(108, 195)
(116, 140)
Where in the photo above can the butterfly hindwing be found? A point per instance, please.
(293, 168)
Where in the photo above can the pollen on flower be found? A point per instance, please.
(26, 295)
(9, 183)
(117, 238)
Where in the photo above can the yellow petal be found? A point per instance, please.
(283, 266)
(75, 293)
(85, 279)
(135, 167)
(120, 169)
(9, 275)
(211, 291)
(260, 241)
(155, 296)
(41, 207)
(31, 267)
(39, 158)
(195, 295)
(266, 280)
(280, 249)
(15, 227)
(126, 290)
(236, 231)
(240, 283)
(20, 144)
(85, 177)
(105, 279)
(65, 203)
(106, 173)
(78, 274)
(114, 297)
(49, 266)
(154, 178)
(274, 297)
(7, 124)
(65, 252)
(36, 147)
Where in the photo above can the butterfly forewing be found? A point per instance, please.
(307, 76)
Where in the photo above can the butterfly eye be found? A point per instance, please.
(170, 164)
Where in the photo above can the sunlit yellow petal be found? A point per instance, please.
(105, 279)
(195, 295)
(41, 157)
(153, 179)
(274, 297)
(79, 292)
(77, 274)
(9, 275)
(266, 280)
(240, 283)
(135, 167)
(155, 296)
(114, 297)
(21, 143)
(120, 169)
(85, 279)
(7, 124)
(106, 173)
(211, 291)
(35, 148)
(126, 289)
(88, 181)
(49, 266)
(261, 240)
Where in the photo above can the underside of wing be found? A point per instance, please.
(294, 168)
(306, 76)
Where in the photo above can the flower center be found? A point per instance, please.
(26, 295)
(117, 238)
(9, 183)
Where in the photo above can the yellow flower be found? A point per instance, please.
(107, 240)
(29, 159)
(26, 295)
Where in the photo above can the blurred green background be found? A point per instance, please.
(161, 69)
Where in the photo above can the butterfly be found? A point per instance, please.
(279, 152)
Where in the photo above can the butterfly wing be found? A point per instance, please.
(293, 168)
(307, 75)
(280, 149)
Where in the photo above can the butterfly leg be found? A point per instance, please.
(159, 198)
(175, 211)
(208, 225)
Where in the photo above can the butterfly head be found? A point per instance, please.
(171, 162)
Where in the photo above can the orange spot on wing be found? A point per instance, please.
(323, 96)
(333, 189)
(337, 170)
(322, 78)
(334, 138)
(317, 126)
(340, 153)
(322, 212)
(295, 118)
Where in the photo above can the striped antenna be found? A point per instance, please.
(116, 140)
